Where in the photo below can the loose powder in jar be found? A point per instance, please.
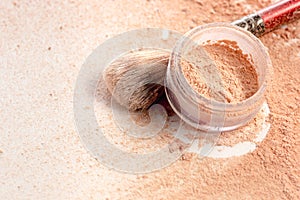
(236, 75)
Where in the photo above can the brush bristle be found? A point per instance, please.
(136, 78)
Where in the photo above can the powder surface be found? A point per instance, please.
(42, 150)
(233, 78)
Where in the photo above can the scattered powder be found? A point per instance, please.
(234, 77)
(140, 118)
(246, 133)
(270, 172)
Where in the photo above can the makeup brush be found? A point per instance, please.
(135, 79)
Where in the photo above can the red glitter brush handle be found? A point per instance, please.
(271, 17)
(280, 13)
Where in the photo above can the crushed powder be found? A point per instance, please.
(234, 77)
(271, 172)
(247, 133)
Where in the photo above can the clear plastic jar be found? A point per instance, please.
(206, 113)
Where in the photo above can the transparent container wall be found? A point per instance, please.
(207, 114)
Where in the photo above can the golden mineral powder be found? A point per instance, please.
(236, 75)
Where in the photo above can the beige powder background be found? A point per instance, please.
(42, 47)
